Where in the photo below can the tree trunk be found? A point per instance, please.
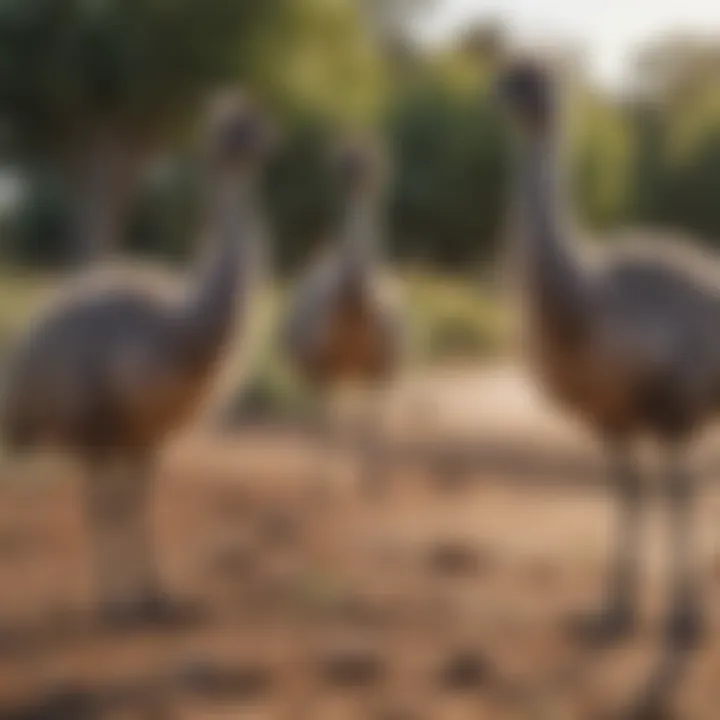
(101, 177)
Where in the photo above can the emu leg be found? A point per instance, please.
(617, 617)
(684, 621)
(324, 450)
(125, 571)
(372, 458)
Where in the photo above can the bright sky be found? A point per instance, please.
(606, 31)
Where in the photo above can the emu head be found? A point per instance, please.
(528, 92)
(239, 136)
(359, 167)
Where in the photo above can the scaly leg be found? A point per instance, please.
(617, 618)
(322, 482)
(103, 517)
(373, 458)
(684, 623)
(126, 573)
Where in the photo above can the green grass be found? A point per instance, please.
(450, 320)
(20, 294)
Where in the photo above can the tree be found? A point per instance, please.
(601, 160)
(449, 193)
(390, 18)
(93, 87)
(677, 134)
(323, 62)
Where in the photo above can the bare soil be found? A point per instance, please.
(444, 597)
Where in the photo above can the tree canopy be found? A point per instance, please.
(91, 89)
(130, 66)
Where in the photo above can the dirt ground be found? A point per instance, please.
(444, 597)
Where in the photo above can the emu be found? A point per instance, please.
(345, 326)
(629, 340)
(112, 370)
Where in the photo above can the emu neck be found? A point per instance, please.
(552, 273)
(214, 306)
(359, 239)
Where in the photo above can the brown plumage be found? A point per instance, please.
(627, 339)
(110, 371)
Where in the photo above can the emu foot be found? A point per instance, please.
(685, 628)
(605, 627)
(154, 610)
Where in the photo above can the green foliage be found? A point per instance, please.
(301, 196)
(21, 294)
(320, 60)
(92, 88)
(601, 162)
(166, 219)
(36, 232)
(452, 319)
(135, 71)
(677, 138)
(135, 66)
(448, 197)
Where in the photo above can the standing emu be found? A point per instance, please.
(631, 342)
(109, 373)
(345, 325)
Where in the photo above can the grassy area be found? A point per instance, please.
(450, 320)
(20, 294)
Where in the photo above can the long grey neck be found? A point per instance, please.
(359, 237)
(214, 306)
(553, 274)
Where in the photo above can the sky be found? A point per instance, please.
(607, 32)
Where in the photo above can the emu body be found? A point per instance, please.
(355, 339)
(109, 372)
(628, 339)
(646, 358)
(95, 376)
(345, 323)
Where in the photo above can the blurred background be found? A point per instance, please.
(105, 96)
(100, 102)
(441, 602)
